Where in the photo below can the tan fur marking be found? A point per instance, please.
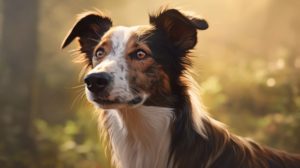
(145, 74)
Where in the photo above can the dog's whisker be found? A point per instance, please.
(78, 86)
(78, 98)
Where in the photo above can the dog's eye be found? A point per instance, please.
(100, 53)
(139, 54)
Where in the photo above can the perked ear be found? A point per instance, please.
(89, 29)
(181, 29)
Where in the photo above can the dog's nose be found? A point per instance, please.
(97, 82)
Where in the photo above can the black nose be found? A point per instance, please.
(97, 82)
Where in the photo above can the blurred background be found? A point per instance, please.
(247, 63)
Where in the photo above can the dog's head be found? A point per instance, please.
(131, 66)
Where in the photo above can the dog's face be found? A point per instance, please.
(131, 65)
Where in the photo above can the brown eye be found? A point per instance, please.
(140, 54)
(100, 53)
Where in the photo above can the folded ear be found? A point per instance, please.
(88, 29)
(181, 29)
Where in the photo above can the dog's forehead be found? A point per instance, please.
(121, 34)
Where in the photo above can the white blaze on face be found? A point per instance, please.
(115, 64)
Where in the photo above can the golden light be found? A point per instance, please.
(271, 82)
(280, 63)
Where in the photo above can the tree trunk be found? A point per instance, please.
(17, 65)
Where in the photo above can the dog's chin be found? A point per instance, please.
(117, 104)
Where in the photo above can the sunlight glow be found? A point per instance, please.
(280, 63)
(271, 82)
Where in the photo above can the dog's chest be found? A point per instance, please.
(140, 137)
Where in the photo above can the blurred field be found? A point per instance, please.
(247, 63)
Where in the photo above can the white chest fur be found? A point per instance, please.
(140, 137)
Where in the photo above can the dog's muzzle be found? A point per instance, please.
(100, 85)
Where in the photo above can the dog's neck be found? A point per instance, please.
(140, 137)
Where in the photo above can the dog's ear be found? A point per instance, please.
(88, 29)
(181, 29)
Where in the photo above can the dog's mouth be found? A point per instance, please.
(105, 101)
(113, 100)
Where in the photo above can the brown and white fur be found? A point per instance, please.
(151, 114)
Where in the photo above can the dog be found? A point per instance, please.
(151, 113)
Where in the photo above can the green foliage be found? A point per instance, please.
(74, 144)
